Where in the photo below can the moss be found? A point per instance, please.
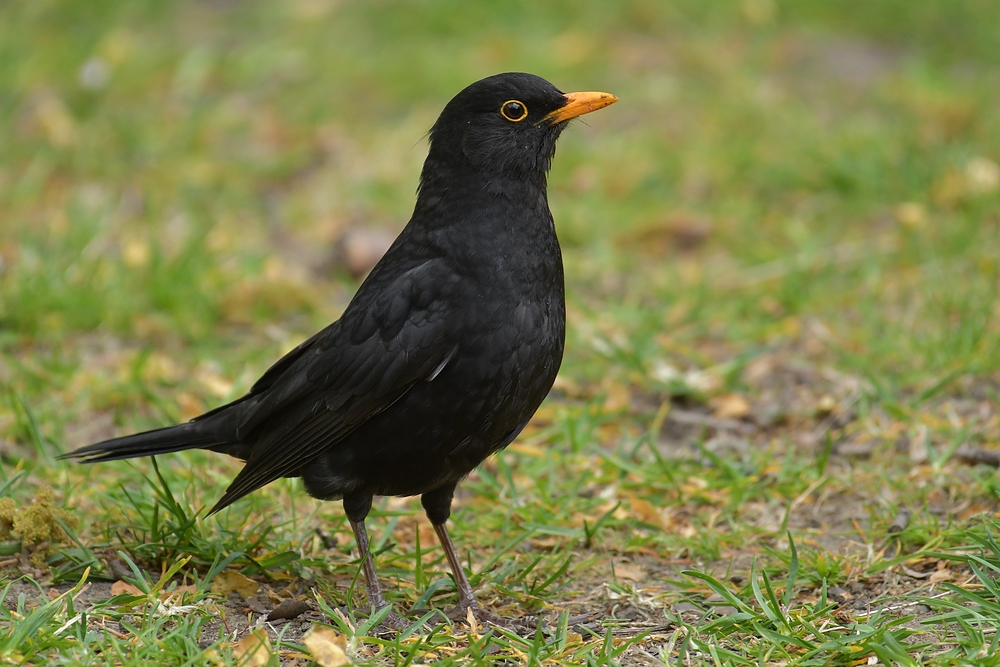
(7, 512)
(37, 525)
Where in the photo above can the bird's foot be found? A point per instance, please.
(485, 617)
(392, 621)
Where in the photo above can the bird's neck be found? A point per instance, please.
(448, 189)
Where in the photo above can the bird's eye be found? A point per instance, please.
(514, 111)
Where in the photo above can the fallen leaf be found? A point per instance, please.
(694, 484)
(217, 385)
(974, 509)
(941, 575)
(918, 445)
(730, 406)
(949, 189)
(470, 618)
(327, 646)
(122, 587)
(190, 405)
(254, 650)
(178, 592)
(617, 396)
(547, 543)
(759, 369)
(646, 513)
(228, 581)
(825, 405)
(771, 306)
(528, 449)
(631, 572)
(911, 214)
(212, 657)
(705, 381)
(135, 253)
(982, 175)
(56, 121)
(360, 248)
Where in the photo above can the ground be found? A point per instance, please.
(774, 437)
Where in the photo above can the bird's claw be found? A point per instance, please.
(393, 621)
(485, 617)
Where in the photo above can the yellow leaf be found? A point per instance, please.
(630, 571)
(694, 484)
(228, 581)
(826, 405)
(56, 121)
(212, 657)
(525, 448)
(617, 396)
(911, 214)
(982, 175)
(949, 189)
(190, 406)
(178, 592)
(731, 406)
(135, 253)
(219, 386)
(254, 650)
(940, 575)
(470, 618)
(120, 587)
(646, 513)
(327, 646)
(544, 415)
(547, 543)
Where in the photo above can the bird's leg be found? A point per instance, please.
(368, 566)
(357, 509)
(466, 598)
(437, 505)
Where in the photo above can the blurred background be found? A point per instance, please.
(782, 253)
(189, 188)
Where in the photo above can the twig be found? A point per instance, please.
(914, 573)
(904, 605)
(901, 521)
(698, 419)
(971, 456)
(858, 449)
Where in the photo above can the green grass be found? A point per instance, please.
(794, 203)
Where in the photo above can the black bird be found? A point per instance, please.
(446, 350)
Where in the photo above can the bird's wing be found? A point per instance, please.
(347, 374)
(264, 382)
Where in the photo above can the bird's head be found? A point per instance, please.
(507, 125)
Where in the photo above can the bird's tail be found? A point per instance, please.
(192, 435)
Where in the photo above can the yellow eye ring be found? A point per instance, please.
(514, 111)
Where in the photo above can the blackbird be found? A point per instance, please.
(446, 350)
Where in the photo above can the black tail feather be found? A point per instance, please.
(192, 435)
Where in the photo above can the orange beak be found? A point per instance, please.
(578, 104)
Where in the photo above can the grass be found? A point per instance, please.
(781, 251)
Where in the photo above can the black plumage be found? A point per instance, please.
(446, 350)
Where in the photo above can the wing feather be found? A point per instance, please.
(340, 380)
